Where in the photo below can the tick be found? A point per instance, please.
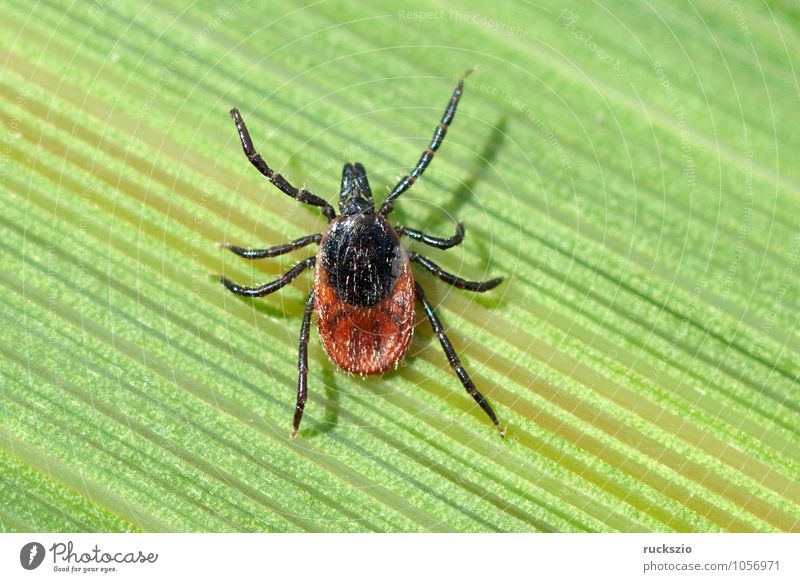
(364, 289)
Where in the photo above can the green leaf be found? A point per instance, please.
(629, 170)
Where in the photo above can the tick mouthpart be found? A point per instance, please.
(355, 194)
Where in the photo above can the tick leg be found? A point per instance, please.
(302, 366)
(479, 286)
(438, 137)
(268, 288)
(434, 241)
(273, 251)
(452, 358)
(255, 158)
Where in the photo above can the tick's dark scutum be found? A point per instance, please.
(363, 258)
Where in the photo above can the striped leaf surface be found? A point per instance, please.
(629, 168)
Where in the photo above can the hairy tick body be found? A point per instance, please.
(364, 288)
(365, 294)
